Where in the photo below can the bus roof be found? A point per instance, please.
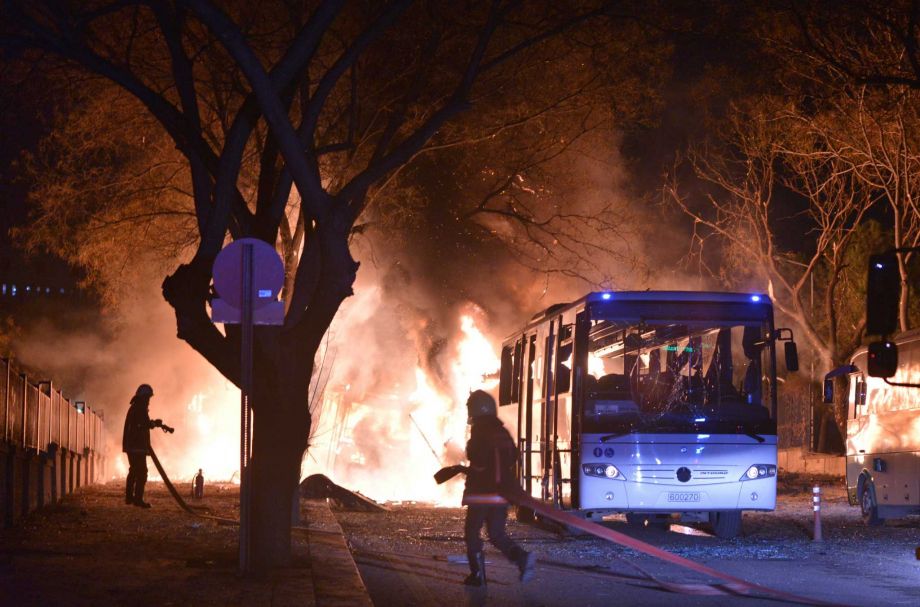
(650, 296)
(899, 339)
(713, 296)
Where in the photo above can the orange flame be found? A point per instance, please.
(423, 429)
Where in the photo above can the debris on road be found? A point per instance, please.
(320, 486)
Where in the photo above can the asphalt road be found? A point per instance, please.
(409, 556)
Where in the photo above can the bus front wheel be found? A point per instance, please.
(726, 524)
(868, 504)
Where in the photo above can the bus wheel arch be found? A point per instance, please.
(868, 503)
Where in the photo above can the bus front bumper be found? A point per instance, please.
(759, 494)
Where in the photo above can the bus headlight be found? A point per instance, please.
(758, 471)
(603, 471)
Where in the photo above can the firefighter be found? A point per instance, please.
(136, 444)
(492, 459)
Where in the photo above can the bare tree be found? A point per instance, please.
(868, 53)
(769, 148)
(291, 153)
(886, 151)
(867, 42)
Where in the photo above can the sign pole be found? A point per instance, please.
(248, 277)
(246, 330)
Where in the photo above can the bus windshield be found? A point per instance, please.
(693, 376)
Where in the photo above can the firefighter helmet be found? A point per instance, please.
(480, 404)
(144, 390)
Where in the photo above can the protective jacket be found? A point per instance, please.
(493, 458)
(136, 437)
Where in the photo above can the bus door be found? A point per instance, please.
(524, 372)
(548, 411)
(561, 478)
(579, 369)
(528, 431)
(857, 422)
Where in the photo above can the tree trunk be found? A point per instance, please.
(275, 470)
(281, 428)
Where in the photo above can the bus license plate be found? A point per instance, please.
(683, 497)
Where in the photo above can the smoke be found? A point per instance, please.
(434, 299)
(103, 359)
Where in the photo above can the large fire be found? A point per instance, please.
(416, 429)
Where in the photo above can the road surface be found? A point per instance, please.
(409, 556)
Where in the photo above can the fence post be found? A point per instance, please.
(25, 408)
(816, 500)
(7, 432)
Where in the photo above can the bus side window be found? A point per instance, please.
(564, 364)
(506, 378)
(857, 396)
(518, 368)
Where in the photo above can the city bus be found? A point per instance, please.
(883, 435)
(653, 404)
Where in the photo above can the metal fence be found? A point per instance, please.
(37, 416)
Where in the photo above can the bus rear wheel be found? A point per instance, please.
(524, 515)
(726, 525)
(868, 504)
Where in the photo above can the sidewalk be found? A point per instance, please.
(92, 549)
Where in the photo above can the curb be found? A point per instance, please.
(336, 580)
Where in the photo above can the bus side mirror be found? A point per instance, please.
(792, 356)
(789, 348)
(883, 291)
(828, 391)
(883, 359)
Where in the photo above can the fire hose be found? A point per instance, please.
(176, 496)
(731, 584)
(188, 509)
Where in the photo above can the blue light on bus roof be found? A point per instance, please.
(699, 420)
(755, 298)
(606, 296)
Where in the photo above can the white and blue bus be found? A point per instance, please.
(883, 434)
(651, 404)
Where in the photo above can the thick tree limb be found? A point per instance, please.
(305, 174)
(171, 26)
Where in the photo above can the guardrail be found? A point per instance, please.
(49, 445)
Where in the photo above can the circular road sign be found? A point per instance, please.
(267, 273)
